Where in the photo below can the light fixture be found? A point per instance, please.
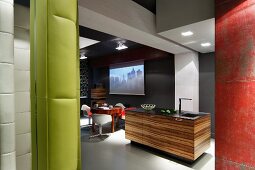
(207, 44)
(121, 46)
(82, 57)
(187, 33)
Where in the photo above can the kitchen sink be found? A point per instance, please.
(189, 115)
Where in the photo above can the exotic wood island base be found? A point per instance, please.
(185, 137)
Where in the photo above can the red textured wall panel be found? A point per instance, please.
(235, 84)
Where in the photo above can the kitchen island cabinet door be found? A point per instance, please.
(202, 135)
(153, 134)
(175, 136)
(134, 127)
(180, 137)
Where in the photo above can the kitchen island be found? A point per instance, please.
(186, 136)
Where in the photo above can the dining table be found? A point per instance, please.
(114, 112)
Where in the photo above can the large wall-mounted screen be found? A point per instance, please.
(127, 79)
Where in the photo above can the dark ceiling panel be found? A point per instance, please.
(23, 2)
(148, 4)
(107, 43)
(108, 47)
(95, 35)
(142, 53)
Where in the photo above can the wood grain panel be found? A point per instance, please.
(98, 93)
(134, 127)
(202, 135)
(182, 137)
(177, 136)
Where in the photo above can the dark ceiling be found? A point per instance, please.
(107, 43)
(22, 2)
(148, 4)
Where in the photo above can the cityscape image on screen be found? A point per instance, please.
(127, 80)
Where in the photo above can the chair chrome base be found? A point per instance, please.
(87, 125)
(100, 133)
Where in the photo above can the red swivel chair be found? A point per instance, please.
(86, 112)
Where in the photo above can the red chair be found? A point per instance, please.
(122, 113)
(86, 112)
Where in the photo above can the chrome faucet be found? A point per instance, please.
(180, 104)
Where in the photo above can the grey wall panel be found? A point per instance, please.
(159, 84)
(207, 86)
(176, 13)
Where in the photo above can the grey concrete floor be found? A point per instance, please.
(114, 152)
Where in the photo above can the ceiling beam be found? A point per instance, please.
(125, 19)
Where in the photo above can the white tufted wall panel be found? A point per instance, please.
(7, 106)
(22, 87)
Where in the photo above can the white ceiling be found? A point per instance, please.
(85, 42)
(204, 31)
(128, 20)
(125, 19)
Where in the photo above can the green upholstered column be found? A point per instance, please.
(54, 85)
(78, 107)
(78, 92)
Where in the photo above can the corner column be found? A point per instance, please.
(235, 84)
(187, 80)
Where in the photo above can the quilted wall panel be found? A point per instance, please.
(7, 105)
(22, 87)
(54, 78)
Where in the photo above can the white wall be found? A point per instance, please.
(22, 87)
(187, 80)
(7, 111)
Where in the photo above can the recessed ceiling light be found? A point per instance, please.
(187, 33)
(207, 44)
(83, 57)
(121, 46)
